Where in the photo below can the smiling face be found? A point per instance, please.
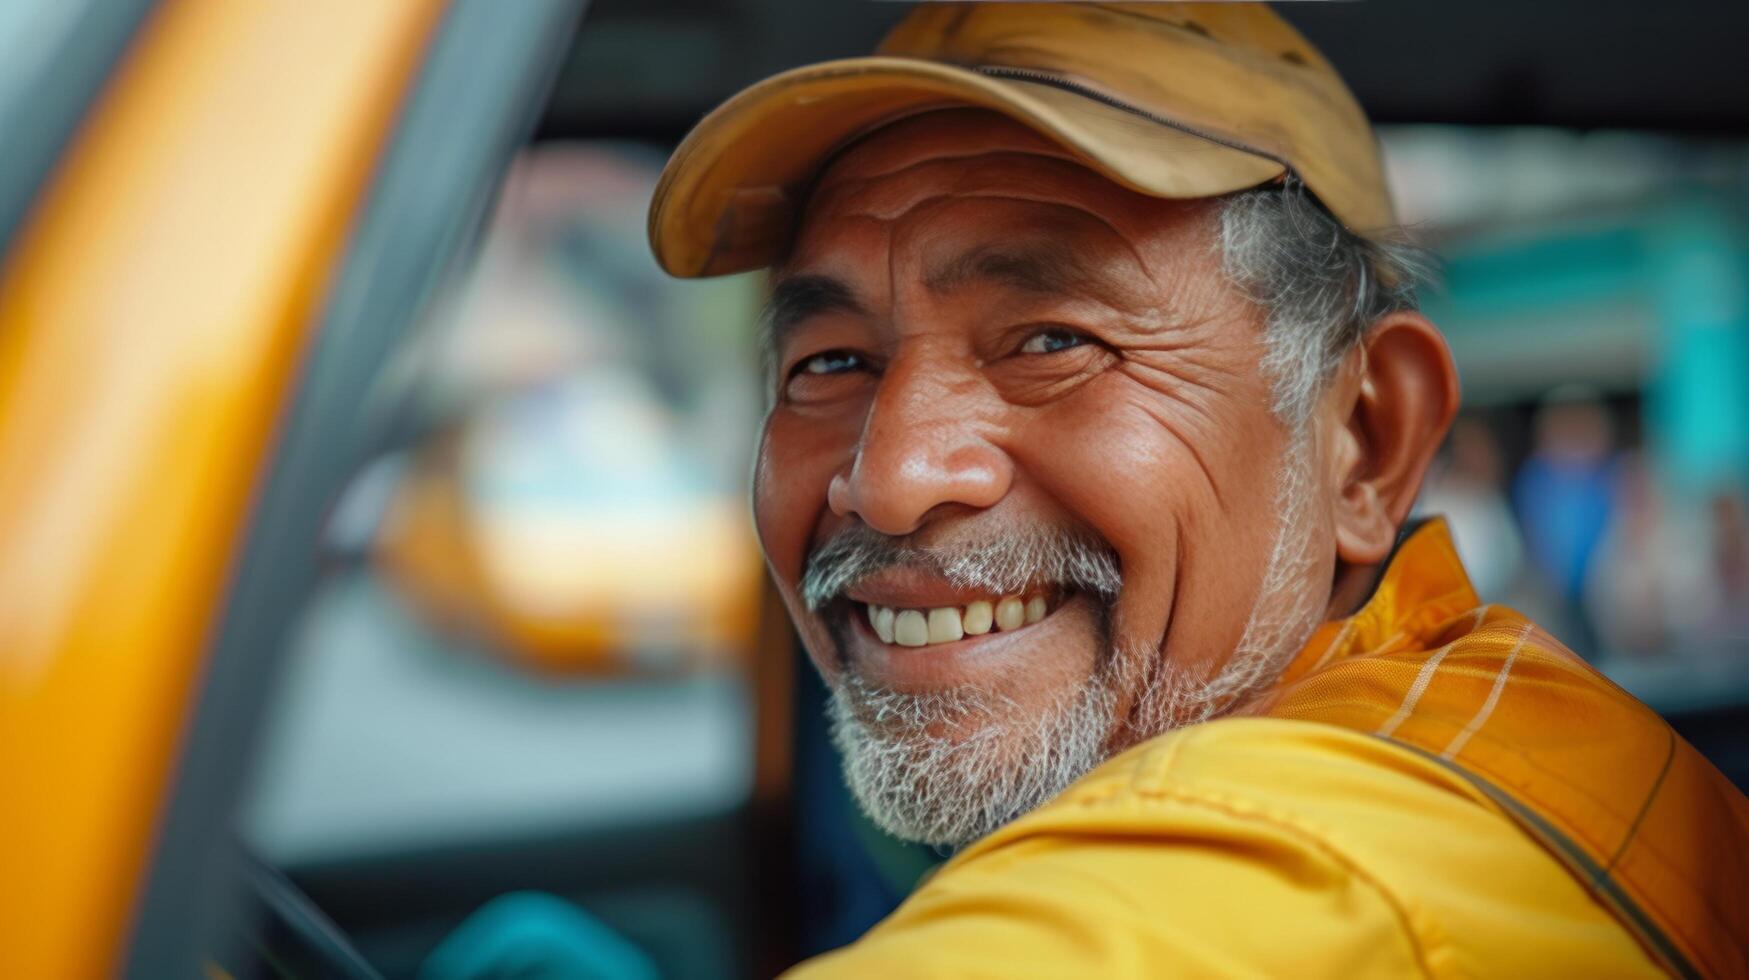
(1021, 487)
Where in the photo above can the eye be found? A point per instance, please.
(1051, 340)
(830, 362)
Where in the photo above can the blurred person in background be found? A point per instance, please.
(1721, 629)
(1100, 400)
(1565, 494)
(1628, 592)
(1469, 491)
(1670, 584)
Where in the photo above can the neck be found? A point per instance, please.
(1352, 586)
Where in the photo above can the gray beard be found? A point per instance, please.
(948, 767)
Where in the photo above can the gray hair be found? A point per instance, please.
(1321, 285)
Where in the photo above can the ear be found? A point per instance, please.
(1395, 400)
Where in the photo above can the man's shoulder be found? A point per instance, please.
(1368, 801)
(1317, 773)
(1267, 806)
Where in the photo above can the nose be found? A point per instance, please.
(927, 443)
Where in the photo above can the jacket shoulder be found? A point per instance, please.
(1585, 769)
(1252, 846)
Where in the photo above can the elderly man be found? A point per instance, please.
(1099, 403)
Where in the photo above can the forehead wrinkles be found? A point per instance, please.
(936, 247)
(933, 251)
(1021, 174)
(949, 134)
(857, 224)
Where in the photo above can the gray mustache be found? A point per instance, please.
(1004, 566)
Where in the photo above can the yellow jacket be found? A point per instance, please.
(1435, 787)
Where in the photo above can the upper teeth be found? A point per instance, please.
(944, 624)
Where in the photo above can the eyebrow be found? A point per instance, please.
(796, 299)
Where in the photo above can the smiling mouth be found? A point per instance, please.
(949, 624)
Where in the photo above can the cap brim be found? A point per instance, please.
(727, 200)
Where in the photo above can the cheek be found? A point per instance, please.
(797, 458)
(1118, 472)
(1141, 467)
(1184, 494)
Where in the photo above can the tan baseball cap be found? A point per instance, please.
(1176, 100)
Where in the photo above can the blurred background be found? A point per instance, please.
(537, 686)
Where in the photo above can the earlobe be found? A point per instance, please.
(1398, 411)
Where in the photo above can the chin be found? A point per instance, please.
(944, 767)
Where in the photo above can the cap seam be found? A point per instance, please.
(1084, 90)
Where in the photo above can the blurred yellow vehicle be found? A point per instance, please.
(217, 218)
(573, 591)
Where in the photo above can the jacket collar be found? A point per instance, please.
(1423, 584)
